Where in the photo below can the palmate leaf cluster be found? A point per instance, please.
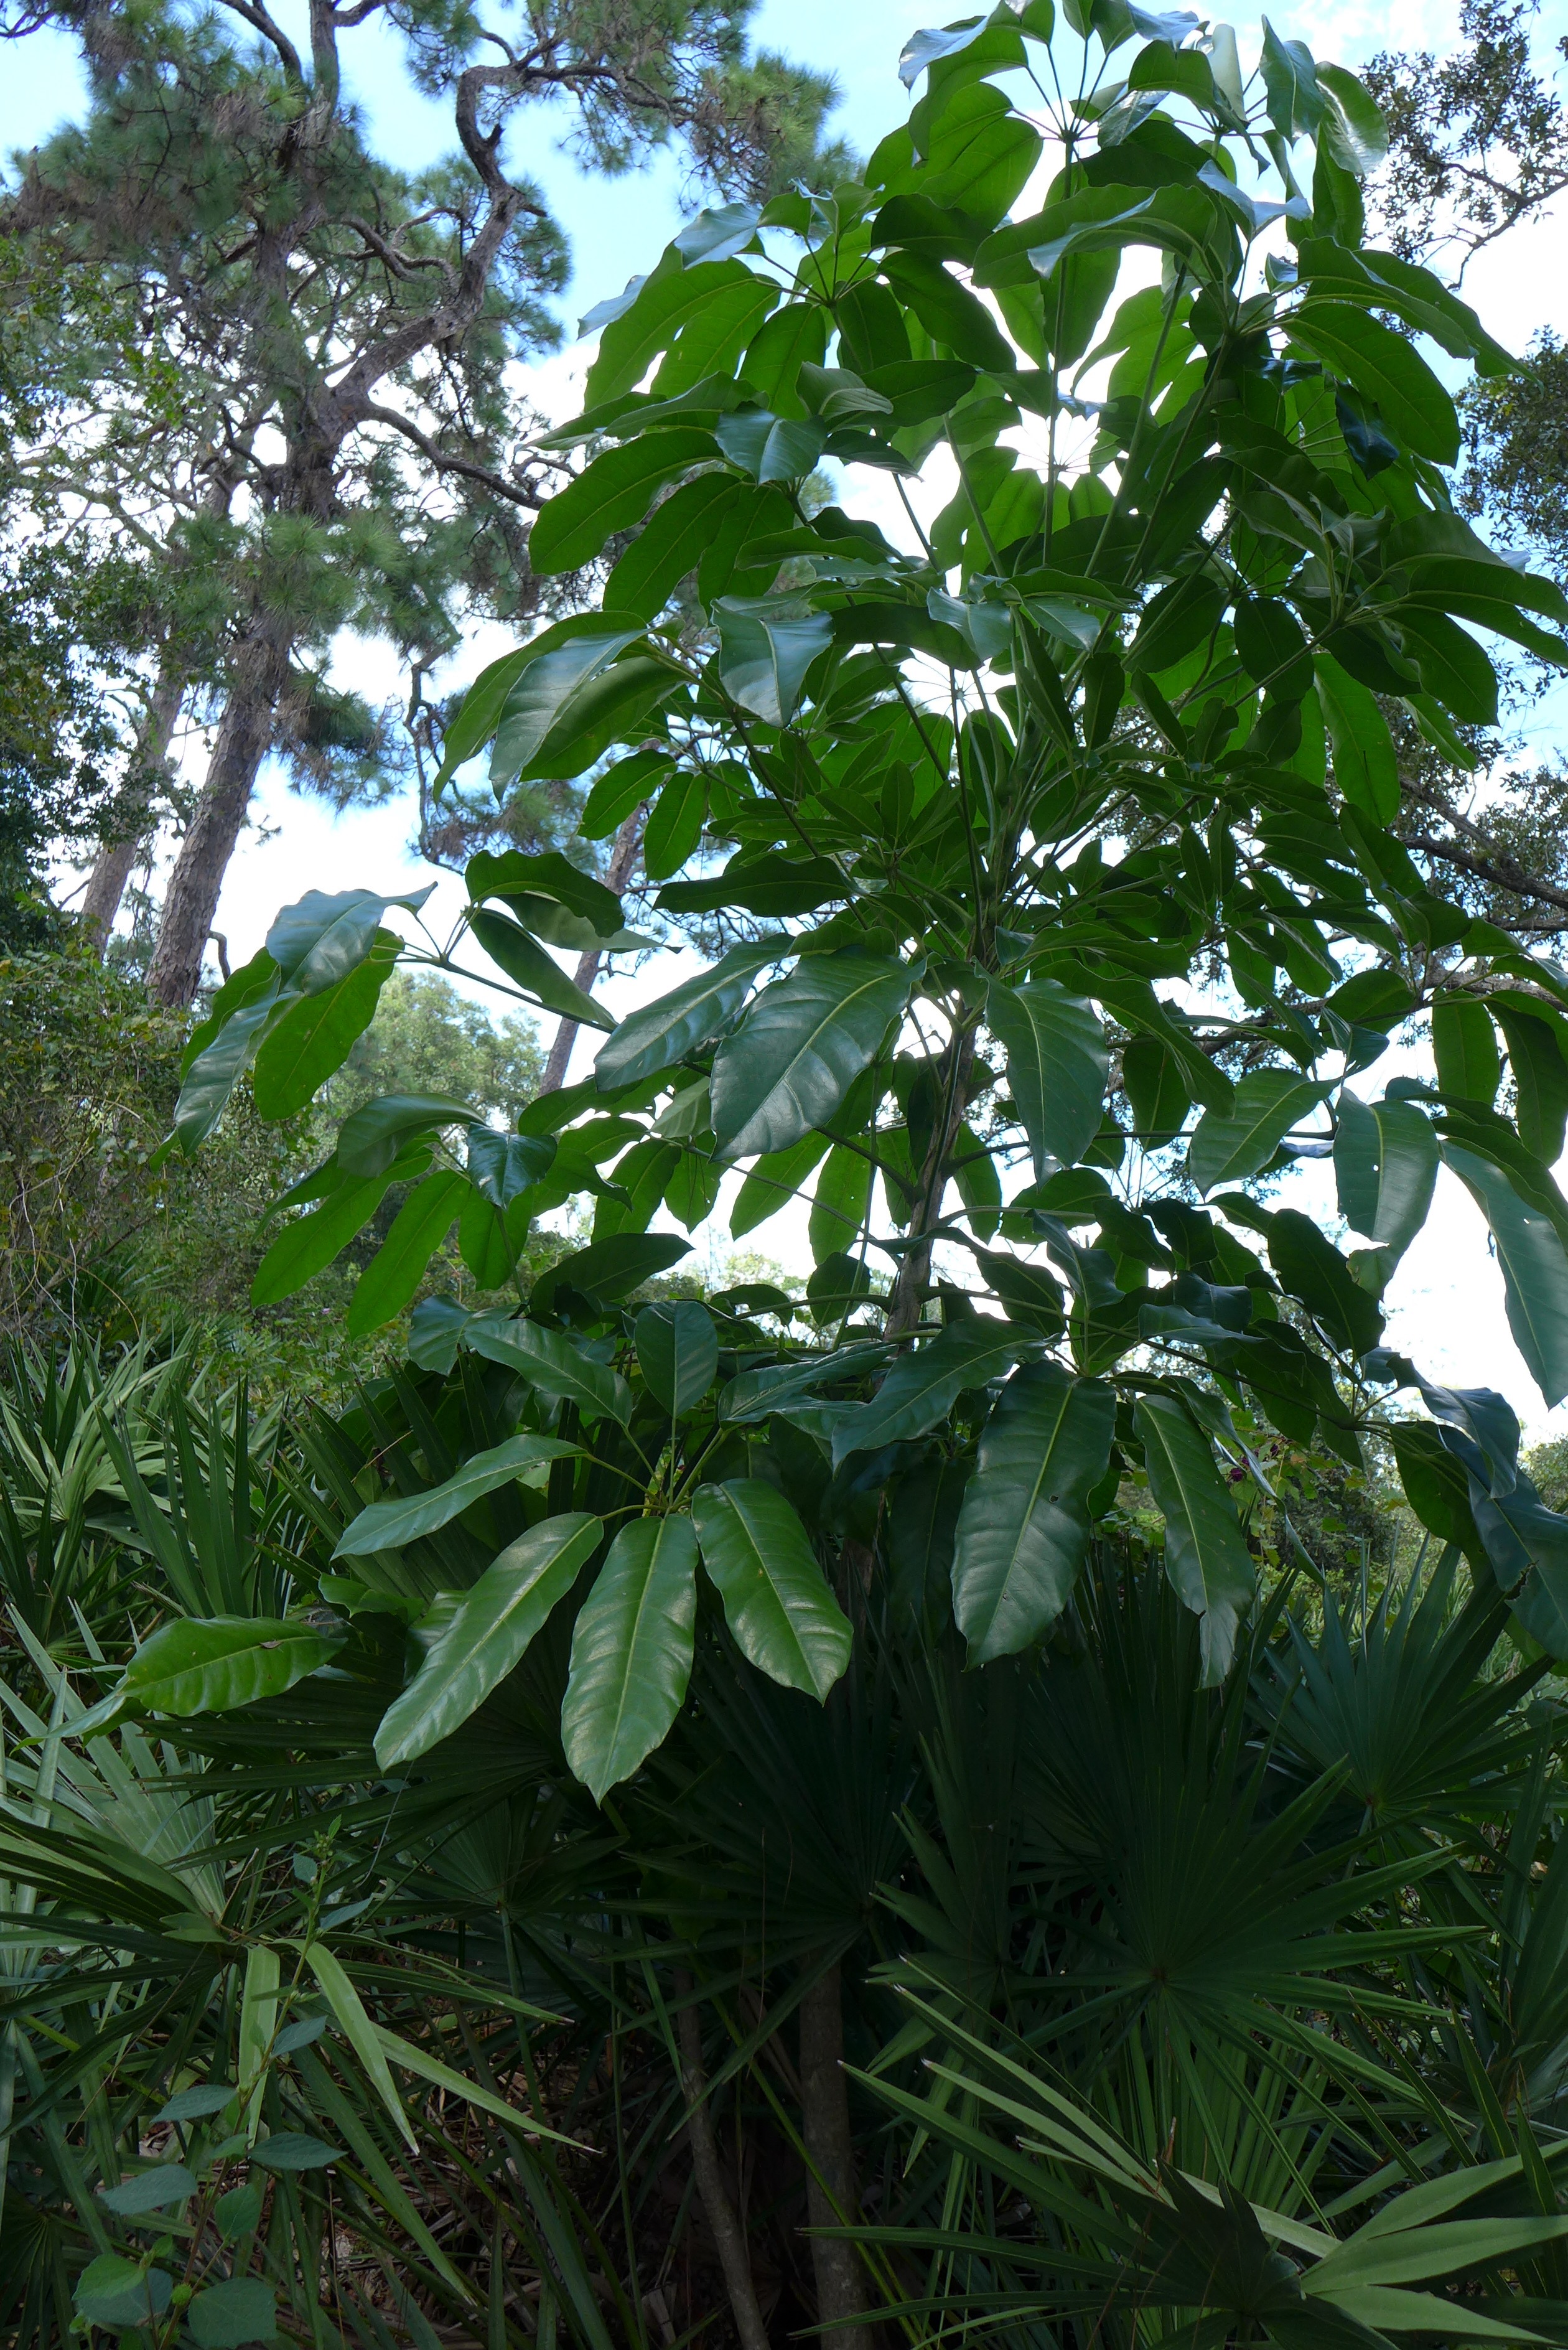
(1060, 905)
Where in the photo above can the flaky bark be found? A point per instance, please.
(116, 860)
(197, 880)
(830, 2149)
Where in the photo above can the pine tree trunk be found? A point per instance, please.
(197, 880)
(116, 860)
(623, 859)
(830, 2181)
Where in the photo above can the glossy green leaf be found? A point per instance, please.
(771, 448)
(212, 1076)
(1364, 767)
(502, 1167)
(841, 1200)
(1384, 1166)
(212, 1664)
(610, 1268)
(404, 1517)
(609, 495)
(650, 323)
(677, 1351)
(923, 1385)
(1539, 1073)
(1453, 668)
(1227, 1147)
(553, 1361)
(114, 2292)
(1057, 1066)
(388, 1281)
(1023, 1528)
(675, 826)
(320, 939)
(1534, 1264)
(780, 1611)
(371, 1137)
(543, 695)
(660, 1035)
(789, 1065)
(767, 644)
(1312, 1269)
(307, 1246)
(1386, 368)
(312, 1040)
(1206, 1557)
(486, 1636)
(1464, 1045)
(631, 1652)
(772, 1181)
(1353, 122)
(534, 969)
(670, 543)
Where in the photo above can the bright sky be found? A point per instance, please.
(1446, 1300)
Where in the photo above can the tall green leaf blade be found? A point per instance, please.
(922, 1387)
(800, 1048)
(1023, 1528)
(1385, 1165)
(312, 1040)
(678, 1350)
(1534, 1269)
(1364, 767)
(404, 1517)
(777, 1605)
(213, 1076)
(533, 968)
(486, 1637)
(1228, 1146)
(611, 494)
(1388, 369)
(307, 1246)
(212, 1664)
(767, 644)
(1057, 1066)
(551, 1360)
(1206, 1557)
(631, 1652)
(660, 1035)
(395, 1272)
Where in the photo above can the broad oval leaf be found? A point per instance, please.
(777, 1605)
(404, 1517)
(610, 495)
(533, 968)
(486, 1636)
(1206, 1556)
(321, 938)
(369, 1140)
(1534, 1269)
(767, 644)
(1384, 1166)
(678, 1350)
(1023, 1528)
(1388, 369)
(158, 2189)
(632, 1651)
(553, 1363)
(662, 1033)
(922, 1387)
(1228, 1146)
(212, 1664)
(800, 1048)
(1057, 1066)
(395, 1272)
(227, 2316)
(311, 1042)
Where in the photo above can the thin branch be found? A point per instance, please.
(520, 496)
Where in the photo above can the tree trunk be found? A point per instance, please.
(197, 880)
(830, 2180)
(116, 860)
(728, 2233)
(623, 859)
(905, 1305)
